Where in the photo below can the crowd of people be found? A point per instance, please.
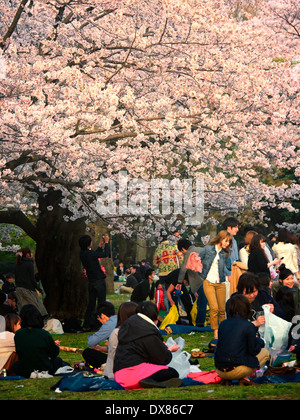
(181, 273)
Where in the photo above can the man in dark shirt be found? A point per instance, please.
(94, 273)
(131, 282)
(145, 288)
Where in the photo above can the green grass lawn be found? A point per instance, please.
(39, 389)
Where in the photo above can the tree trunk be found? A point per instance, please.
(57, 259)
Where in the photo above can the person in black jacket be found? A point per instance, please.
(94, 273)
(8, 285)
(239, 352)
(142, 357)
(145, 288)
(26, 286)
(249, 286)
(258, 261)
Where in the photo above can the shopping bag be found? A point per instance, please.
(180, 359)
(181, 363)
(179, 341)
(171, 318)
(193, 312)
(275, 331)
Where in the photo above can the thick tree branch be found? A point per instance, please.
(18, 218)
(14, 23)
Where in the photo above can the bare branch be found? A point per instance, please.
(14, 23)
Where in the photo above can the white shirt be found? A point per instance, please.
(213, 274)
(289, 254)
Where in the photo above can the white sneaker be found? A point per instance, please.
(44, 374)
(34, 374)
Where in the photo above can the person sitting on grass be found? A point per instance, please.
(35, 347)
(145, 288)
(249, 285)
(239, 351)
(95, 355)
(8, 355)
(142, 357)
(126, 309)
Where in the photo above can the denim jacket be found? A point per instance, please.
(207, 256)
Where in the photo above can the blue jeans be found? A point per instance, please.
(201, 307)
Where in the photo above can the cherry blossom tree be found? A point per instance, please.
(159, 89)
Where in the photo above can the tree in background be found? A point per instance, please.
(162, 89)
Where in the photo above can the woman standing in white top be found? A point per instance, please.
(245, 251)
(286, 251)
(214, 258)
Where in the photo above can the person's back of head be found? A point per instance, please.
(230, 222)
(106, 308)
(183, 244)
(284, 296)
(248, 282)
(249, 235)
(125, 311)
(239, 305)
(84, 242)
(31, 317)
(149, 309)
(148, 273)
(264, 281)
(283, 236)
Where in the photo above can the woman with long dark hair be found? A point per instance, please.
(258, 261)
(26, 286)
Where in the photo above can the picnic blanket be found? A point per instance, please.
(80, 383)
(183, 329)
(277, 379)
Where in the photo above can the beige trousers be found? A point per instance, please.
(216, 295)
(242, 371)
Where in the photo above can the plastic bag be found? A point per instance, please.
(54, 326)
(275, 332)
(171, 318)
(180, 358)
(180, 362)
(179, 341)
(194, 312)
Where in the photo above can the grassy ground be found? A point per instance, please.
(39, 389)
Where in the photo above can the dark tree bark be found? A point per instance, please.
(57, 255)
(57, 258)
